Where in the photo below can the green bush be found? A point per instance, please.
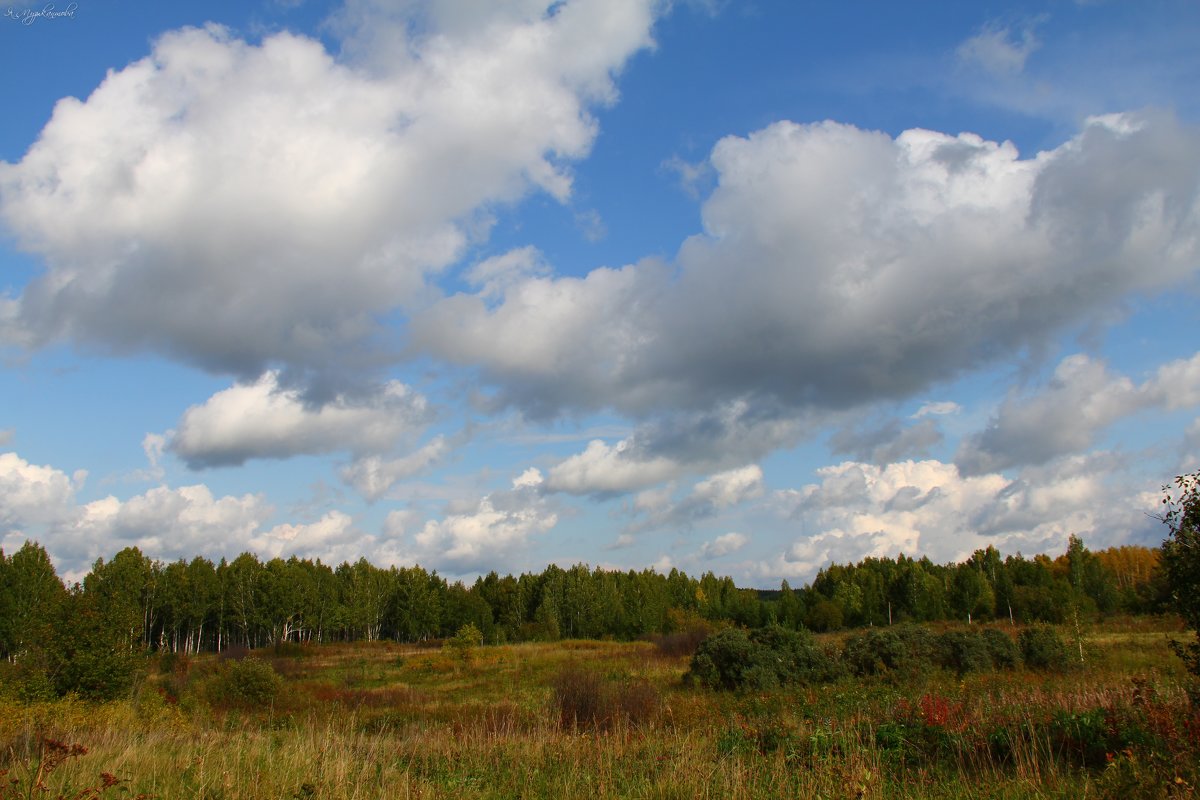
(463, 643)
(794, 656)
(906, 650)
(733, 659)
(1043, 649)
(963, 652)
(248, 683)
(729, 660)
(1084, 739)
(1001, 649)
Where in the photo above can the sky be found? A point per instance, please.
(748, 287)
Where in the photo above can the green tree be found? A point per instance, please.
(33, 595)
(464, 641)
(92, 655)
(123, 594)
(241, 581)
(1181, 557)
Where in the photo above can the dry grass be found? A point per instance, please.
(384, 720)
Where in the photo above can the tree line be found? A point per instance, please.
(80, 636)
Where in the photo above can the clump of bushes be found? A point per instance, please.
(1001, 649)
(583, 698)
(733, 659)
(908, 651)
(248, 683)
(905, 650)
(962, 652)
(1043, 649)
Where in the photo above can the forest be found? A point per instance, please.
(87, 638)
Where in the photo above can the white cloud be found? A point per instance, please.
(602, 468)
(33, 495)
(333, 538)
(238, 205)
(729, 488)
(487, 536)
(938, 409)
(494, 275)
(692, 177)
(840, 268)
(929, 508)
(164, 523)
(1191, 448)
(998, 49)
(40, 502)
(724, 545)
(528, 479)
(707, 498)
(1082, 399)
(6, 436)
(374, 476)
(266, 420)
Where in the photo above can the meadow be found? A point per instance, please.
(608, 719)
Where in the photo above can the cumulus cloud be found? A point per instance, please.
(266, 420)
(487, 535)
(928, 507)
(168, 523)
(839, 268)
(723, 545)
(239, 206)
(729, 488)
(31, 494)
(164, 523)
(332, 538)
(706, 499)
(604, 468)
(1082, 398)
(374, 476)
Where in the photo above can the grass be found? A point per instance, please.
(385, 720)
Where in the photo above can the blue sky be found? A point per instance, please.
(741, 287)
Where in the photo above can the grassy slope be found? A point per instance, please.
(384, 720)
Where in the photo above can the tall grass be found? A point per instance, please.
(607, 720)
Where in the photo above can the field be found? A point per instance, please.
(605, 719)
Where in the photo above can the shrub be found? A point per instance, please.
(1083, 739)
(730, 660)
(462, 643)
(906, 650)
(247, 683)
(794, 656)
(733, 659)
(963, 652)
(1001, 649)
(585, 699)
(1043, 649)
